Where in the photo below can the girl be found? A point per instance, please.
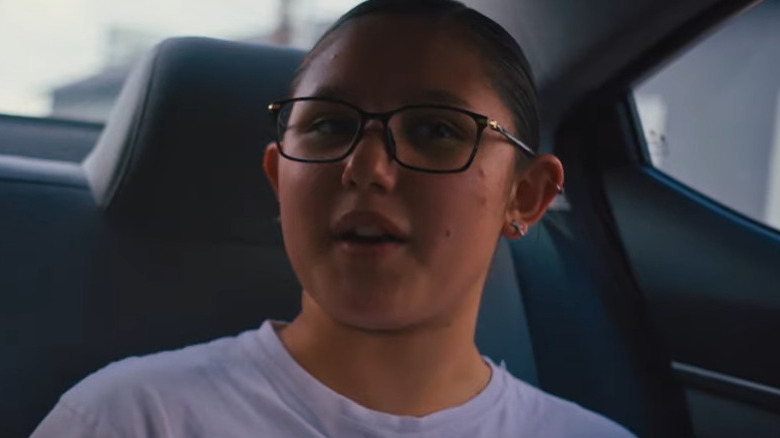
(404, 154)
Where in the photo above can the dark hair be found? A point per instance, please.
(509, 69)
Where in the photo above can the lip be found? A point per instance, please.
(360, 218)
(363, 218)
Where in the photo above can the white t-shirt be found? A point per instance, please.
(250, 386)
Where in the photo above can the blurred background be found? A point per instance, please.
(67, 59)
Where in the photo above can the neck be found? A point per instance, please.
(412, 371)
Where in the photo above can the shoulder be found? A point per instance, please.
(552, 416)
(201, 390)
(134, 374)
(150, 388)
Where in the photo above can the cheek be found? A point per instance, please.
(480, 192)
(461, 209)
(305, 197)
(304, 186)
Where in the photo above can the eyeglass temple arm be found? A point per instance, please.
(519, 143)
(494, 125)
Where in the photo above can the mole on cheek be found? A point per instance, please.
(448, 232)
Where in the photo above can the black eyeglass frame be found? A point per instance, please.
(482, 122)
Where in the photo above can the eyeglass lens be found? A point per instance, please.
(426, 137)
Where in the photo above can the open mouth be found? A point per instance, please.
(368, 235)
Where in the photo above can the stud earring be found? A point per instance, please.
(518, 228)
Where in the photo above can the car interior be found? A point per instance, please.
(636, 296)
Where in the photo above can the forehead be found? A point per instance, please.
(387, 61)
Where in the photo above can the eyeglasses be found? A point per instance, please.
(427, 138)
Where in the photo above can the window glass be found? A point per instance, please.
(67, 59)
(711, 117)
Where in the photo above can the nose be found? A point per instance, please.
(370, 165)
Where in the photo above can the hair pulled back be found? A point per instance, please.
(507, 66)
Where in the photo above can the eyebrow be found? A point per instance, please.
(432, 96)
(331, 92)
(443, 97)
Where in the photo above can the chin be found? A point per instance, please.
(378, 322)
(371, 309)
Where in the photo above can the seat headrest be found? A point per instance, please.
(181, 154)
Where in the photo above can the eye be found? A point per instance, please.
(332, 126)
(431, 129)
(438, 129)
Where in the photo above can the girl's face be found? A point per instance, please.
(448, 224)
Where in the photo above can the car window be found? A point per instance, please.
(711, 117)
(67, 59)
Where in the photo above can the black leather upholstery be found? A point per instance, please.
(591, 340)
(165, 237)
(502, 329)
(182, 153)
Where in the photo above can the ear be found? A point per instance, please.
(271, 166)
(533, 191)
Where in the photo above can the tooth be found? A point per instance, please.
(368, 231)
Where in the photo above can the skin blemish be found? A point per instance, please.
(448, 232)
